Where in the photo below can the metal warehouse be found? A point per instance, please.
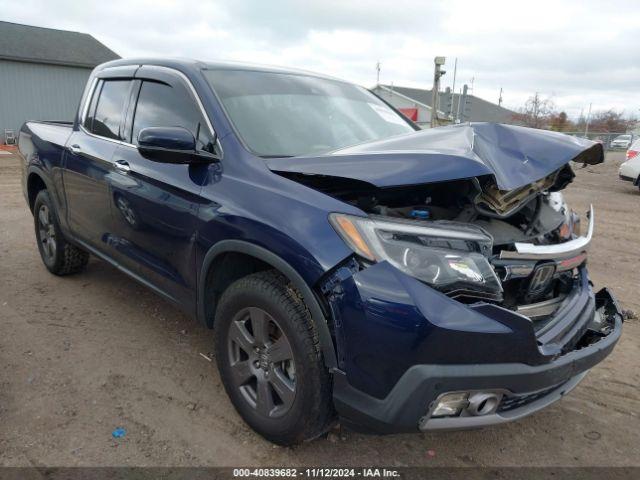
(415, 103)
(43, 72)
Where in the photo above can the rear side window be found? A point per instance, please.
(109, 111)
(162, 105)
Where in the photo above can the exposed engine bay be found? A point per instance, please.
(532, 213)
(535, 213)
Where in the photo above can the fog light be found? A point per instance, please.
(451, 404)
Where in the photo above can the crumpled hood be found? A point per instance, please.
(515, 156)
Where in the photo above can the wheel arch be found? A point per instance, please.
(35, 184)
(258, 258)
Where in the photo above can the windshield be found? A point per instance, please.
(623, 137)
(281, 114)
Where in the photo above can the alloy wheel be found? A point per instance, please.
(47, 232)
(261, 362)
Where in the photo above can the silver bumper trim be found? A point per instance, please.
(541, 309)
(568, 249)
(456, 423)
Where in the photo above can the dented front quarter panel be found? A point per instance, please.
(387, 321)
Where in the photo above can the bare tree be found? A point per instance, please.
(536, 113)
(608, 121)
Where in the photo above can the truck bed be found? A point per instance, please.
(55, 133)
(47, 139)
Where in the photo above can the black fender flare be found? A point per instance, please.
(251, 249)
(44, 176)
(54, 194)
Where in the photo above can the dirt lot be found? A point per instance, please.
(82, 355)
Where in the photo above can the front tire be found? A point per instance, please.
(59, 256)
(270, 362)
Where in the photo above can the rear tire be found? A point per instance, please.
(59, 256)
(270, 361)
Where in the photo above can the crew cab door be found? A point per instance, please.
(88, 159)
(155, 205)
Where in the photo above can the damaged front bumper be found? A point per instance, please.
(402, 349)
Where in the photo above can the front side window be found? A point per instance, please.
(162, 105)
(282, 114)
(110, 109)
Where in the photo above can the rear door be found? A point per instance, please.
(88, 160)
(155, 205)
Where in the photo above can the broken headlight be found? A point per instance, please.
(448, 256)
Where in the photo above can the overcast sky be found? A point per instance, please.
(575, 52)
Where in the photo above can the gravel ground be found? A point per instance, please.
(82, 355)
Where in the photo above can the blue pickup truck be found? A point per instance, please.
(353, 267)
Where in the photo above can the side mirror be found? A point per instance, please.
(170, 145)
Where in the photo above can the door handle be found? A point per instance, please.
(122, 166)
(75, 148)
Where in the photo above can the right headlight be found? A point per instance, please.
(448, 256)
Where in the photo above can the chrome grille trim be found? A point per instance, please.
(541, 309)
(568, 249)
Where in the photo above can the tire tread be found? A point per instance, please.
(273, 284)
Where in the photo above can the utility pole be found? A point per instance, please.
(448, 107)
(464, 100)
(378, 73)
(435, 97)
(500, 98)
(586, 127)
(453, 87)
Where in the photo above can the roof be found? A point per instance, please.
(190, 64)
(421, 102)
(480, 110)
(25, 43)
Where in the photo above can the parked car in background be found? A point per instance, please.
(621, 142)
(630, 170)
(353, 266)
(634, 149)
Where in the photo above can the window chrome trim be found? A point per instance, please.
(558, 251)
(119, 142)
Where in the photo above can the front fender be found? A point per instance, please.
(247, 248)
